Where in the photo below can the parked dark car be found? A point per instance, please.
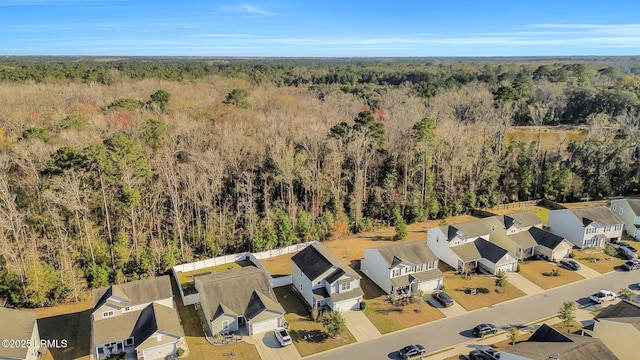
(570, 264)
(628, 246)
(484, 329)
(479, 355)
(625, 253)
(411, 350)
(443, 298)
(631, 265)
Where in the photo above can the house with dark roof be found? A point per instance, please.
(628, 210)
(522, 234)
(20, 327)
(465, 247)
(324, 280)
(618, 327)
(548, 343)
(584, 227)
(237, 300)
(138, 319)
(404, 267)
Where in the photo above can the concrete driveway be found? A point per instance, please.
(587, 272)
(453, 310)
(360, 326)
(522, 283)
(269, 348)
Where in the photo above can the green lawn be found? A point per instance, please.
(538, 272)
(456, 286)
(386, 317)
(309, 337)
(73, 327)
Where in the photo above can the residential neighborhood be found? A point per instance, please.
(237, 300)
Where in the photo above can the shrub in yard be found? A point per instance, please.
(482, 290)
(518, 268)
(363, 305)
(626, 294)
(610, 250)
(179, 352)
(501, 279)
(314, 314)
(499, 290)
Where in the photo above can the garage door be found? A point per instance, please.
(429, 286)
(561, 254)
(263, 326)
(159, 352)
(506, 267)
(351, 304)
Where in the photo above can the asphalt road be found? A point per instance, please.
(445, 333)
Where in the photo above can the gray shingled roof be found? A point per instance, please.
(316, 259)
(413, 252)
(489, 251)
(545, 238)
(132, 293)
(634, 204)
(600, 214)
(548, 343)
(470, 229)
(21, 328)
(524, 218)
(241, 291)
(624, 312)
(467, 252)
(523, 239)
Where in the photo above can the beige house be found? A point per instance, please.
(20, 327)
(618, 327)
(548, 343)
(239, 299)
(511, 232)
(138, 319)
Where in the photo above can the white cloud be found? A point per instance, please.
(256, 10)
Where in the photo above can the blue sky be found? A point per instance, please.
(319, 28)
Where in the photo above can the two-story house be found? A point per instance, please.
(618, 327)
(583, 227)
(20, 328)
(465, 247)
(402, 267)
(628, 210)
(138, 319)
(522, 234)
(324, 280)
(240, 298)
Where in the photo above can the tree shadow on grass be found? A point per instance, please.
(74, 329)
(312, 336)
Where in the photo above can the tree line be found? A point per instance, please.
(104, 182)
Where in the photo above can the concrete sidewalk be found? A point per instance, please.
(527, 286)
(360, 326)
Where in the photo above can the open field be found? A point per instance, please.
(309, 337)
(539, 272)
(552, 138)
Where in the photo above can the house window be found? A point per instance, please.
(345, 286)
(128, 308)
(618, 227)
(225, 325)
(493, 228)
(419, 267)
(396, 272)
(607, 228)
(614, 207)
(107, 313)
(128, 342)
(620, 211)
(431, 265)
(591, 230)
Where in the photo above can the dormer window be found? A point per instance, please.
(345, 286)
(128, 308)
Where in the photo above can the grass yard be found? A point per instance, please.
(597, 260)
(278, 265)
(386, 317)
(535, 272)
(456, 287)
(186, 278)
(199, 347)
(300, 326)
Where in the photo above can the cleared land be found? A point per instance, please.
(186, 278)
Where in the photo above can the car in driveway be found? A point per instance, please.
(283, 336)
(443, 298)
(628, 246)
(625, 253)
(631, 265)
(491, 352)
(483, 330)
(570, 264)
(478, 355)
(411, 350)
(602, 296)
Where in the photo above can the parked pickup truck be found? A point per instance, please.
(602, 296)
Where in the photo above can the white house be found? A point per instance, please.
(324, 280)
(231, 300)
(464, 247)
(404, 267)
(21, 329)
(592, 226)
(628, 210)
(138, 319)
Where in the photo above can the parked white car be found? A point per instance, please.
(602, 296)
(283, 336)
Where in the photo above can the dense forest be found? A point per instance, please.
(118, 169)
